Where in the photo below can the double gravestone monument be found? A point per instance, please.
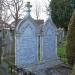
(34, 41)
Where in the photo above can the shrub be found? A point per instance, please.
(70, 47)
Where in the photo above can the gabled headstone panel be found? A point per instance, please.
(26, 44)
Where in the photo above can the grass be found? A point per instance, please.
(61, 51)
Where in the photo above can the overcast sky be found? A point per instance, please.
(42, 3)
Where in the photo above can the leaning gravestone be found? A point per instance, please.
(4, 69)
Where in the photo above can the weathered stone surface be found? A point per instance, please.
(49, 41)
(26, 44)
(33, 42)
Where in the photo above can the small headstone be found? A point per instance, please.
(60, 35)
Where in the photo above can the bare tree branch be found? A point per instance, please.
(38, 10)
(15, 8)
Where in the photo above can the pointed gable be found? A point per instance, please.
(49, 40)
(50, 25)
(27, 22)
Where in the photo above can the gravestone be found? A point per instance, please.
(26, 41)
(34, 41)
(49, 42)
(60, 36)
(8, 42)
(26, 45)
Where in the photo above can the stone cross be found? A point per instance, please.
(28, 8)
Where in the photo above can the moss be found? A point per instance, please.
(61, 52)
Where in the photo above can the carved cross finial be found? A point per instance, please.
(28, 8)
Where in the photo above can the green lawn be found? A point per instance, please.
(61, 51)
